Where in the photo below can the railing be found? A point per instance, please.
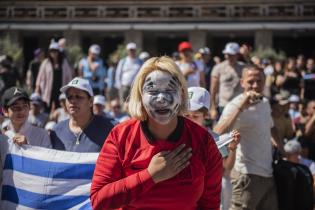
(161, 11)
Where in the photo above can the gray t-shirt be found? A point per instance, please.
(254, 153)
(229, 81)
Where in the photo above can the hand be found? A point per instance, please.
(189, 71)
(214, 114)
(165, 165)
(236, 140)
(251, 97)
(19, 139)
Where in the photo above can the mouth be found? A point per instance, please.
(162, 111)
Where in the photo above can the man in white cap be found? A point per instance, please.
(92, 68)
(126, 71)
(99, 104)
(84, 131)
(225, 80)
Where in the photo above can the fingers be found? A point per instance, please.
(19, 140)
(175, 152)
(183, 158)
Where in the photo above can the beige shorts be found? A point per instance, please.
(253, 192)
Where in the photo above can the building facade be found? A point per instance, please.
(157, 26)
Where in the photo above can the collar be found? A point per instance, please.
(173, 137)
(25, 127)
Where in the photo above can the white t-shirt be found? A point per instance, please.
(127, 70)
(35, 136)
(254, 153)
(193, 80)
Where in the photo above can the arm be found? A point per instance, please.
(309, 126)
(228, 162)
(211, 196)
(109, 188)
(276, 141)
(202, 79)
(228, 119)
(40, 77)
(118, 74)
(214, 89)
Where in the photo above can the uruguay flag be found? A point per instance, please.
(40, 178)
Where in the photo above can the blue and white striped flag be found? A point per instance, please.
(40, 178)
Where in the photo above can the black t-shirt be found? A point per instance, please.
(57, 83)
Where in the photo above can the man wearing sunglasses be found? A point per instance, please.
(16, 107)
(84, 131)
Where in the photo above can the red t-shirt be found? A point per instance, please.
(121, 179)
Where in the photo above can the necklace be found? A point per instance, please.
(78, 135)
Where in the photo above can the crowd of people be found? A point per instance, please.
(262, 103)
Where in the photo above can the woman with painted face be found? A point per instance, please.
(158, 159)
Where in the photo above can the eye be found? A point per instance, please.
(152, 92)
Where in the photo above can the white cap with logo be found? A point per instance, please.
(131, 46)
(78, 83)
(99, 99)
(95, 49)
(231, 48)
(198, 97)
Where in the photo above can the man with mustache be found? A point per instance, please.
(84, 131)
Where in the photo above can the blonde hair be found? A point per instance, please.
(165, 64)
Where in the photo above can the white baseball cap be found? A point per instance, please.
(198, 97)
(294, 99)
(50, 125)
(78, 83)
(292, 146)
(144, 55)
(131, 46)
(54, 46)
(99, 99)
(231, 48)
(204, 50)
(95, 49)
(62, 96)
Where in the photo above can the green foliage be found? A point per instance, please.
(74, 54)
(269, 53)
(10, 48)
(119, 53)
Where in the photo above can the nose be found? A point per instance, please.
(160, 98)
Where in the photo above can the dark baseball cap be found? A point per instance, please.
(13, 94)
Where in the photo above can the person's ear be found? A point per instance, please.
(5, 112)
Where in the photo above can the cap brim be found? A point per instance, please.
(65, 88)
(229, 52)
(194, 106)
(14, 99)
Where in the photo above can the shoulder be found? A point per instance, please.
(199, 132)
(218, 67)
(104, 120)
(126, 126)
(61, 125)
(38, 131)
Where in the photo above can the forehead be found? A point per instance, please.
(311, 104)
(20, 101)
(158, 76)
(75, 91)
(253, 74)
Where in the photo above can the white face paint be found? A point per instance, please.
(161, 96)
